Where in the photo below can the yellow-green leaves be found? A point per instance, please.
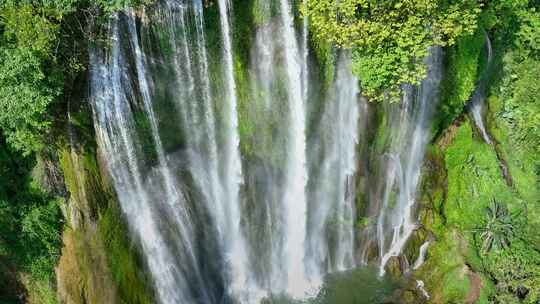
(390, 38)
(25, 28)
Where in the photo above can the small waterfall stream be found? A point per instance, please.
(421, 255)
(238, 179)
(476, 104)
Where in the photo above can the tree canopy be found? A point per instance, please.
(390, 38)
(28, 85)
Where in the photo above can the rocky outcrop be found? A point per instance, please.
(83, 274)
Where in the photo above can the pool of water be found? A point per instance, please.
(359, 286)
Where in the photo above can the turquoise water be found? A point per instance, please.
(359, 286)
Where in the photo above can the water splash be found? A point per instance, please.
(421, 286)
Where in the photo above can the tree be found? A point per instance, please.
(390, 38)
(28, 85)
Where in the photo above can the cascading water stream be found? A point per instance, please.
(476, 105)
(198, 119)
(305, 54)
(167, 121)
(421, 255)
(263, 82)
(173, 195)
(332, 199)
(113, 120)
(294, 197)
(232, 173)
(323, 234)
(396, 221)
(347, 139)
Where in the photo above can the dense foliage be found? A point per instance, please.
(29, 83)
(42, 46)
(30, 225)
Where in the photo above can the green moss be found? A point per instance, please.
(456, 286)
(242, 29)
(82, 179)
(474, 179)
(40, 291)
(93, 198)
(445, 272)
(437, 180)
(461, 74)
(522, 160)
(261, 14)
(258, 123)
(145, 137)
(123, 259)
(383, 135)
(246, 125)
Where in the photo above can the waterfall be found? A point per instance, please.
(294, 197)
(476, 108)
(264, 58)
(141, 202)
(197, 119)
(346, 139)
(332, 199)
(217, 222)
(396, 220)
(305, 53)
(232, 173)
(173, 195)
(476, 104)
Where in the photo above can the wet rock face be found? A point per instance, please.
(397, 266)
(411, 250)
(82, 273)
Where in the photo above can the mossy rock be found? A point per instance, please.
(99, 264)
